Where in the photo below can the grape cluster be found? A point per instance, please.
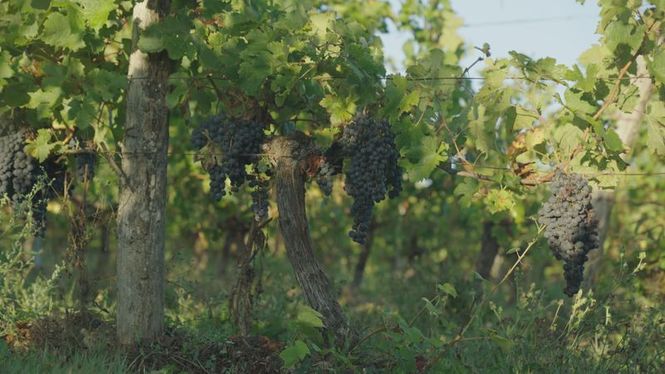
(260, 196)
(233, 144)
(372, 171)
(19, 173)
(324, 178)
(570, 227)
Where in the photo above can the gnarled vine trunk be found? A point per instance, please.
(289, 159)
(142, 201)
(489, 248)
(247, 285)
(359, 271)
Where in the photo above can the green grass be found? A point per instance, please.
(95, 362)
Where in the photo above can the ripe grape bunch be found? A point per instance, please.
(19, 173)
(372, 170)
(570, 226)
(233, 144)
(324, 178)
(260, 196)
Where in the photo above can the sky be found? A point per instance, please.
(562, 29)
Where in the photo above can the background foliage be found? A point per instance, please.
(473, 154)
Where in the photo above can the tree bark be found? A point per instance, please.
(489, 247)
(246, 288)
(142, 201)
(628, 126)
(289, 156)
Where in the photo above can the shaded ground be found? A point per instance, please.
(174, 352)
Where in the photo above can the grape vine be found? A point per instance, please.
(260, 196)
(85, 166)
(324, 178)
(85, 161)
(570, 226)
(372, 171)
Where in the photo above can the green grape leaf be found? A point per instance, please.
(397, 100)
(447, 289)
(432, 153)
(655, 120)
(657, 66)
(253, 72)
(518, 117)
(479, 129)
(341, 109)
(207, 56)
(618, 33)
(151, 43)
(41, 146)
(62, 31)
(294, 353)
(172, 34)
(466, 191)
(82, 111)
(394, 94)
(584, 82)
(105, 84)
(409, 101)
(309, 317)
(321, 22)
(575, 103)
(6, 70)
(567, 138)
(40, 4)
(43, 101)
(96, 12)
(597, 54)
(612, 141)
(15, 94)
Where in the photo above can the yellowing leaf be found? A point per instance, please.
(534, 137)
(310, 317)
(341, 109)
(41, 147)
(499, 201)
(321, 22)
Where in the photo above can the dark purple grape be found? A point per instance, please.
(235, 144)
(372, 171)
(20, 173)
(570, 227)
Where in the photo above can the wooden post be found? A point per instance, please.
(142, 201)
